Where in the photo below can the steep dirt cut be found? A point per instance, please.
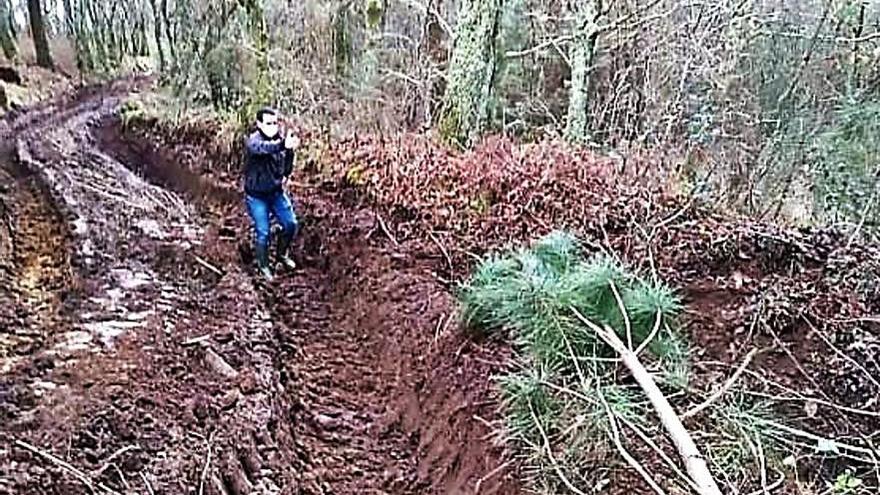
(159, 364)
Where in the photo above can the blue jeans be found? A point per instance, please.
(279, 206)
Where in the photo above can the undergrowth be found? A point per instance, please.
(564, 402)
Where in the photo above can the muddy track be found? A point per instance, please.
(35, 271)
(147, 355)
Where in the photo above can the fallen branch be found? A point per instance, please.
(612, 421)
(694, 461)
(656, 448)
(219, 365)
(489, 475)
(81, 476)
(842, 354)
(204, 475)
(208, 265)
(623, 312)
(653, 333)
(840, 446)
(147, 484)
(724, 389)
(386, 231)
(196, 340)
(442, 249)
(772, 486)
(108, 463)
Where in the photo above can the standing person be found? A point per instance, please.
(269, 160)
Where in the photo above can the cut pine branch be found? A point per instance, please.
(694, 462)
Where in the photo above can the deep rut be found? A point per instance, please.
(35, 271)
(344, 396)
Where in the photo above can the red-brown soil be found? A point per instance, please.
(347, 376)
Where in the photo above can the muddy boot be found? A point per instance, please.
(283, 256)
(262, 255)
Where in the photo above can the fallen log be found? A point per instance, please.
(694, 462)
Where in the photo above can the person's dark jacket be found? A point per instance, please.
(267, 163)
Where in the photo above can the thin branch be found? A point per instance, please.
(653, 333)
(386, 231)
(817, 438)
(549, 452)
(842, 354)
(204, 475)
(615, 437)
(656, 448)
(147, 484)
(442, 249)
(207, 265)
(626, 323)
(81, 476)
(540, 46)
(724, 389)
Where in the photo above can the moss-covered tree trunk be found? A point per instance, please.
(375, 21)
(577, 129)
(38, 30)
(260, 91)
(342, 44)
(471, 73)
(7, 38)
(157, 34)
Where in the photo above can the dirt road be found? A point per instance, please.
(138, 354)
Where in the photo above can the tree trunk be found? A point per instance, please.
(375, 22)
(38, 30)
(169, 34)
(157, 33)
(581, 54)
(84, 59)
(260, 90)
(13, 25)
(143, 37)
(69, 24)
(97, 35)
(342, 45)
(471, 73)
(7, 38)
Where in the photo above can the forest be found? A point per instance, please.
(519, 246)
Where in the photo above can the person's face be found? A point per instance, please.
(269, 125)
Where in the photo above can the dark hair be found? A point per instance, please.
(265, 111)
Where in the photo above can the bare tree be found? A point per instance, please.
(38, 30)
